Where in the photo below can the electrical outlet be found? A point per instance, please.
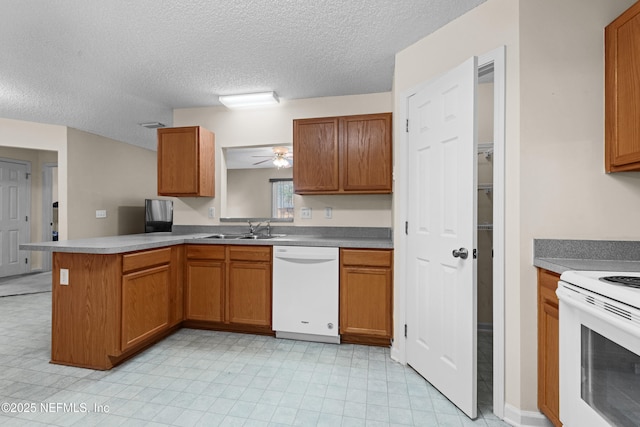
(64, 276)
(212, 212)
(328, 213)
(101, 213)
(305, 213)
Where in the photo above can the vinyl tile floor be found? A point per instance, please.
(208, 378)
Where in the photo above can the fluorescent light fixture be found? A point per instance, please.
(249, 100)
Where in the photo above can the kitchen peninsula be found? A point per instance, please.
(115, 296)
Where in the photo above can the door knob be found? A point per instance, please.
(462, 253)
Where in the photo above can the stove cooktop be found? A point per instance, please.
(631, 281)
(620, 286)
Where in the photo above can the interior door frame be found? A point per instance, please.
(26, 267)
(398, 350)
(47, 214)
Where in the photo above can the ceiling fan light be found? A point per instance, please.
(281, 162)
(249, 100)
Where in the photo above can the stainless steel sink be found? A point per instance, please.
(245, 236)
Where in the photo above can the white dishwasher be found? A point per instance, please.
(305, 293)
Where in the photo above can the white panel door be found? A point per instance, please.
(14, 226)
(441, 288)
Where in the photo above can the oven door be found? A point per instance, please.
(599, 360)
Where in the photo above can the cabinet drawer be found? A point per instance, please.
(366, 257)
(205, 252)
(145, 259)
(250, 253)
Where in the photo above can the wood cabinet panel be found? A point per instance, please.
(249, 253)
(204, 298)
(371, 258)
(316, 155)
(85, 315)
(366, 153)
(145, 304)
(186, 162)
(249, 290)
(366, 296)
(145, 259)
(206, 252)
(229, 285)
(622, 92)
(343, 155)
(548, 346)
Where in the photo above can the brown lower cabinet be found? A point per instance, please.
(113, 305)
(366, 296)
(229, 288)
(548, 346)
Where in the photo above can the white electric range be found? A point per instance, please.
(599, 348)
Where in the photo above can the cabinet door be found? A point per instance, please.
(205, 290)
(186, 162)
(366, 153)
(622, 92)
(249, 293)
(548, 346)
(365, 301)
(316, 156)
(145, 304)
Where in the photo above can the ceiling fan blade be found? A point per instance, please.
(261, 161)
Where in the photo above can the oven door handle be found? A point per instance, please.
(610, 317)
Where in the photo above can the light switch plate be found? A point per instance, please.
(328, 213)
(101, 213)
(212, 212)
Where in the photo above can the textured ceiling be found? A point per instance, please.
(105, 66)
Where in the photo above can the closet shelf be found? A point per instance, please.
(486, 148)
(487, 188)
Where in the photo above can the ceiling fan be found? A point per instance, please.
(281, 158)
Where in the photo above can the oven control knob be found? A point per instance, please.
(462, 253)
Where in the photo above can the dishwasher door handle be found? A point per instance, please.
(307, 259)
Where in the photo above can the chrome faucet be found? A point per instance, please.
(254, 228)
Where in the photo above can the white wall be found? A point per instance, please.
(274, 126)
(555, 181)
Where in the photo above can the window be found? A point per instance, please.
(281, 198)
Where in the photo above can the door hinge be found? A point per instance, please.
(27, 175)
(405, 330)
(26, 260)
(475, 254)
(26, 218)
(406, 227)
(407, 126)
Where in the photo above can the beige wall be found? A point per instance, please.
(564, 190)
(273, 126)
(110, 175)
(555, 181)
(249, 191)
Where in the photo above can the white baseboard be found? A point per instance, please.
(518, 418)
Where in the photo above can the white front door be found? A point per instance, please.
(441, 284)
(14, 224)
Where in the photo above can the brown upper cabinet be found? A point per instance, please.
(186, 162)
(343, 155)
(622, 92)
